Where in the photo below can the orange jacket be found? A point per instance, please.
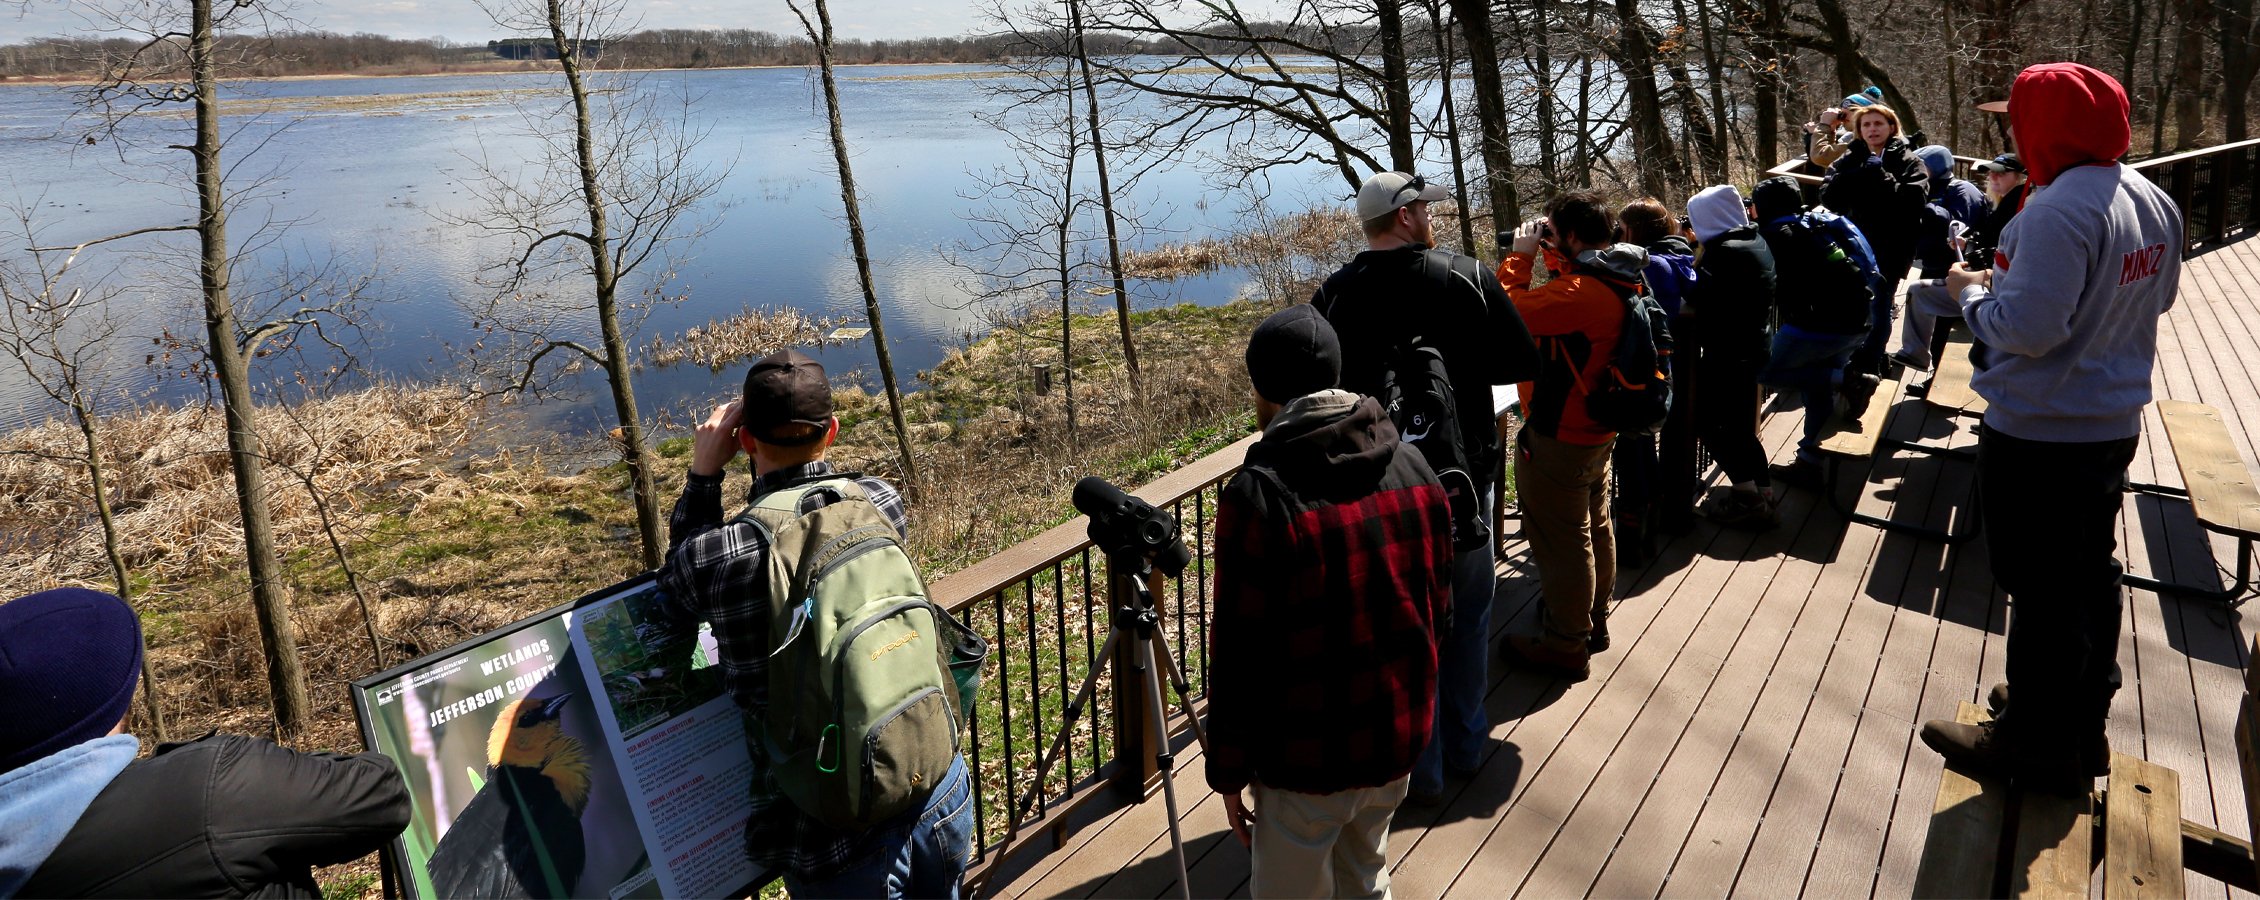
(1575, 319)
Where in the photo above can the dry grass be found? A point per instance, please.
(749, 334)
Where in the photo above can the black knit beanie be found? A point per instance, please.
(68, 662)
(1294, 352)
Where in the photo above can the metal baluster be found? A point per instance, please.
(1059, 618)
(1004, 694)
(1035, 682)
(980, 797)
(1091, 656)
(1200, 554)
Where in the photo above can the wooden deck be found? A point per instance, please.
(1753, 729)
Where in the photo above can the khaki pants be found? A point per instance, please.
(1322, 845)
(1564, 492)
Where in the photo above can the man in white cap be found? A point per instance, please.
(1389, 304)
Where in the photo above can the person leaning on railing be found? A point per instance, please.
(1333, 579)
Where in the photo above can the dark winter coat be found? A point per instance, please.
(226, 816)
(1333, 579)
(1384, 298)
(1884, 195)
(1730, 308)
(1986, 237)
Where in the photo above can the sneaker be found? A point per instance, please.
(1532, 653)
(1858, 389)
(1737, 508)
(1597, 640)
(1804, 473)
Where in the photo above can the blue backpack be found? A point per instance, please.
(1671, 277)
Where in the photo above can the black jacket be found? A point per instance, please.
(226, 816)
(1730, 309)
(1884, 197)
(1384, 298)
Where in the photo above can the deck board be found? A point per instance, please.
(1753, 730)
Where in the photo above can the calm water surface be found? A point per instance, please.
(373, 189)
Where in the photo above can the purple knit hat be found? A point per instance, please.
(68, 662)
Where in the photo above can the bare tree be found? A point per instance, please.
(61, 335)
(1107, 205)
(1474, 17)
(177, 58)
(612, 193)
(820, 32)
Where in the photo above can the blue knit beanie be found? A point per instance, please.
(68, 661)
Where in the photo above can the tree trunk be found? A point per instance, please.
(1066, 281)
(1715, 72)
(1396, 84)
(1445, 72)
(2239, 63)
(1106, 204)
(2189, 72)
(1661, 170)
(1582, 158)
(1540, 36)
(1490, 109)
(1954, 98)
(1839, 29)
(1768, 48)
(2160, 87)
(270, 599)
(855, 239)
(618, 367)
(98, 480)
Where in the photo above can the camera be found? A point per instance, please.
(1123, 525)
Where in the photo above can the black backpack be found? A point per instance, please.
(1416, 391)
(1634, 396)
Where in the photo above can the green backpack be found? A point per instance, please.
(868, 680)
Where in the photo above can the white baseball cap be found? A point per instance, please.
(1389, 191)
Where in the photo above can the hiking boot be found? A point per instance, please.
(1738, 508)
(1858, 389)
(1533, 653)
(1981, 749)
(1597, 640)
(1804, 473)
(1997, 699)
(1910, 361)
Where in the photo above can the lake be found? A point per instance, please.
(369, 173)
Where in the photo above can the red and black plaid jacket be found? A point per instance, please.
(1333, 576)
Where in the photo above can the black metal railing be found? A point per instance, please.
(2213, 188)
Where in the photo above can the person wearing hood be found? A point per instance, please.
(219, 816)
(1824, 274)
(1561, 456)
(1882, 187)
(2067, 341)
(1333, 545)
(1656, 472)
(1727, 318)
(1955, 206)
(1396, 294)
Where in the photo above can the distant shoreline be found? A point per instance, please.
(481, 70)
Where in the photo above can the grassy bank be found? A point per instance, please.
(447, 543)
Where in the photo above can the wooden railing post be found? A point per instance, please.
(1137, 748)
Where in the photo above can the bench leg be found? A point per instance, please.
(1972, 524)
(2233, 595)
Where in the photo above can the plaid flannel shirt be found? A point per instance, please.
(717, 572)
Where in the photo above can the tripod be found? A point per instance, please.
(1134, 616)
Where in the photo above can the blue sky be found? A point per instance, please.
(461, 19)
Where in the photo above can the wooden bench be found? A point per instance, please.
(1950, 384)
(2219, 488)
(1988, 839)
(1860, 441)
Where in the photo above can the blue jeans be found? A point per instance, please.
(924, 857)
(1462, 726)
(1811, 362)
(1882, 308)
